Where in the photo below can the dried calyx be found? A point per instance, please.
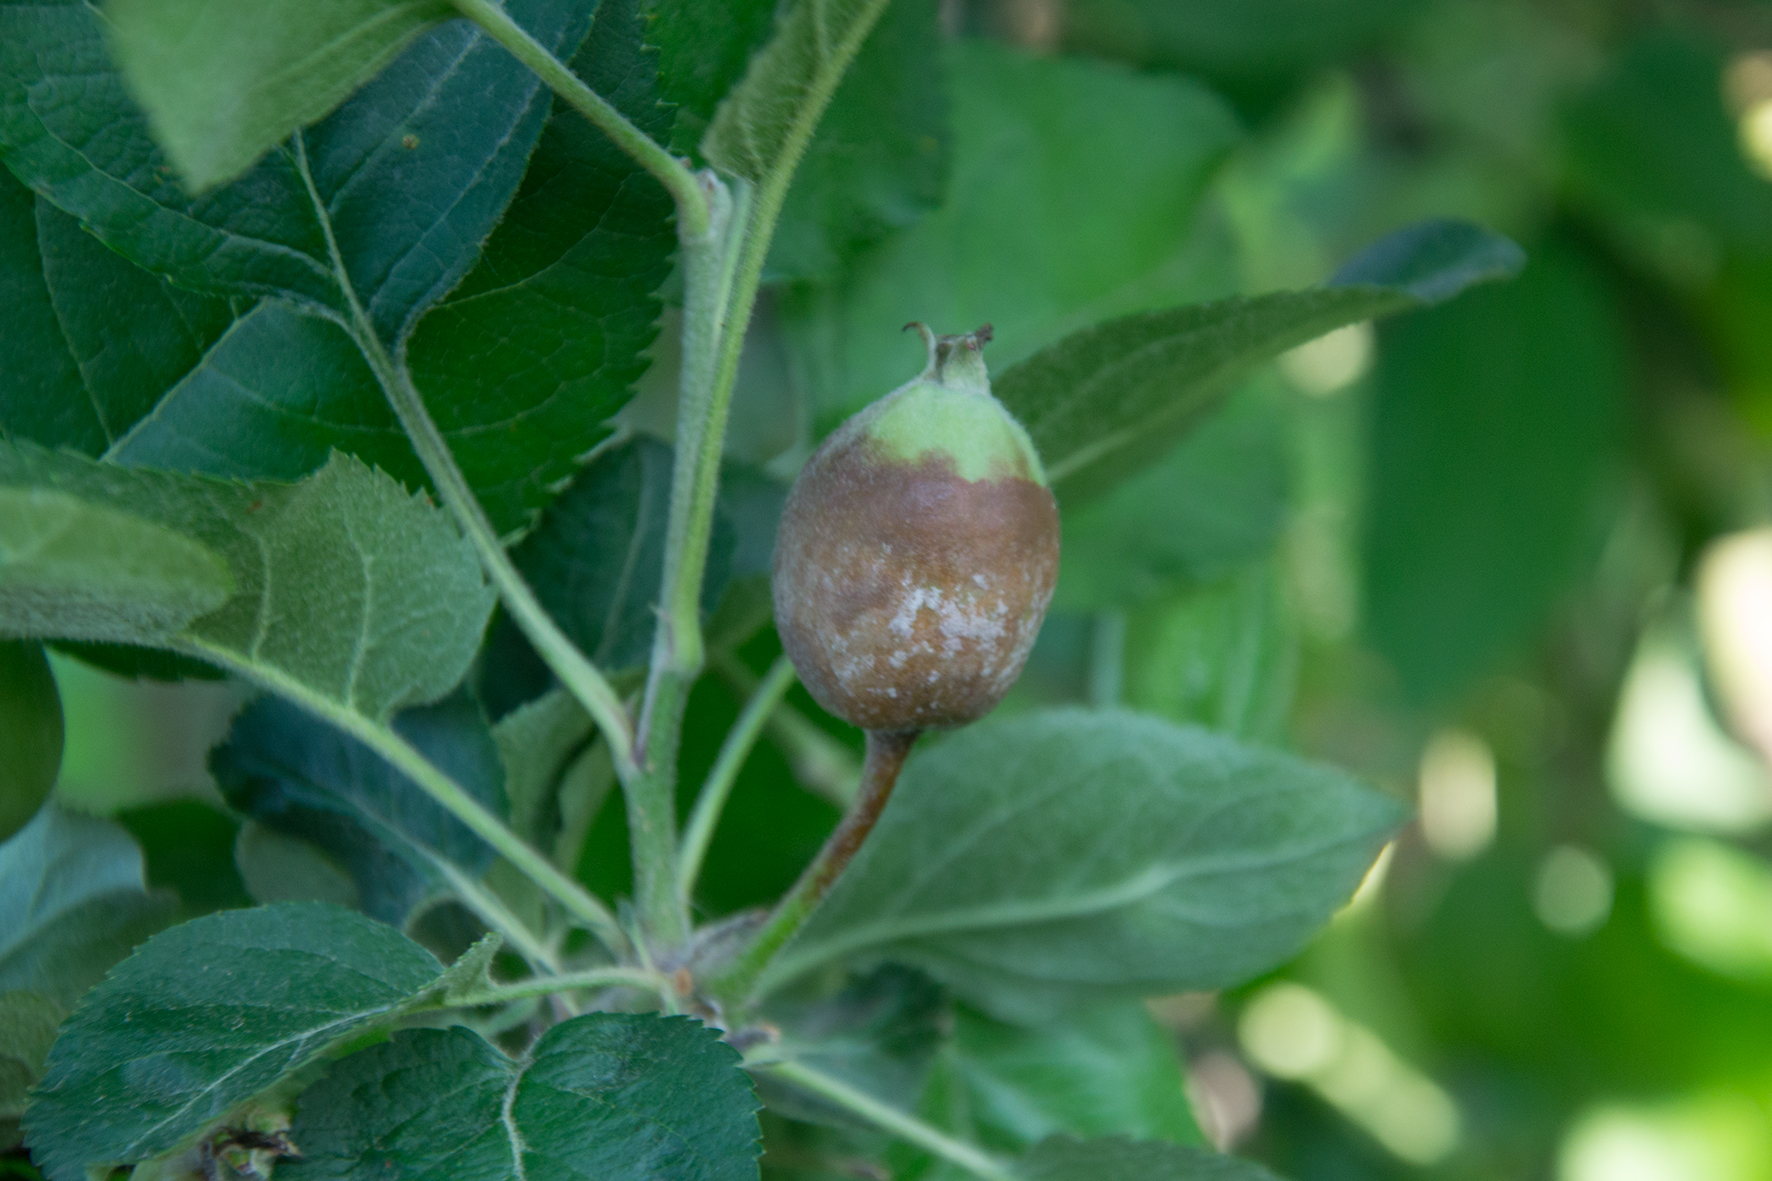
(918, 552)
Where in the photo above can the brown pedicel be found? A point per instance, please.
(907, 597)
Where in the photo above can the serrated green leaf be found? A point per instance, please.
(1105, 401)
(347, 588)
(703, 47)
(1495, 429)
(88, 342)
(1066, 856)
(762, 122)
(621, 1096)
(224, 84)
(1215, 502)
(204, 1017)
(306, 779)
(878, 161)
(76, 900)
(30, 733)
(523, 364)
(1073, 186)
(1065, 1159)
(409, 175)
(70, 567)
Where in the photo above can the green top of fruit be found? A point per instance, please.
(949, 410)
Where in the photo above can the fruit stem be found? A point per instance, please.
(886, 752)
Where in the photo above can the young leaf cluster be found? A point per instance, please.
(318, 321)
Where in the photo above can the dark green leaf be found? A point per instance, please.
(362, 596)
(408, 176)
(225, 84)
(276, 868)
(786, 86)
(88, 342)
(1215, 501)
(703, 46)
(271, 399)
(1104, 401)
(597, 555)
(189, 847)
(1072, 196)
(76, 902)
(1496, 423)
(616, 1096)
(523, 364)
(878, 161)
(306, 779)
(30, 733)
(1064, 1159)
(1066, 856)
(207, 1015)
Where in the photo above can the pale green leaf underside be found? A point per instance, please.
(115, 575)
(764, 122)
(208, 1015)
(1065, 856)
(224, 82)
(1104, 401)
(615, 1096)
(347, 589)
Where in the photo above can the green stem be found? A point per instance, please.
(406, 759)
(499, 994)
(890, 1119)
(733, 752)
(672, 173)
(579, 675)
(885, 757)
(677, 646)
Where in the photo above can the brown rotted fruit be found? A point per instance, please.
(918, 552)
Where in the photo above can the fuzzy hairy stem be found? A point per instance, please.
(885, 758)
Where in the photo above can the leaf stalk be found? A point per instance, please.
(886, 752)
(692, 206)
(889, 1119)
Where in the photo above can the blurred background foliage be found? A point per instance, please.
(1510, 557)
